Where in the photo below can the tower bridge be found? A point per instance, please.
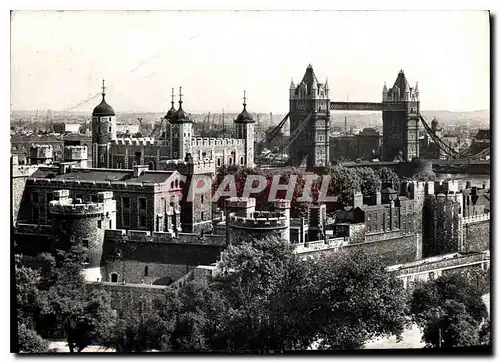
(309, 117)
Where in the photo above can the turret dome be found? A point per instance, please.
(103, 109)
(180, 116)
(244, 116)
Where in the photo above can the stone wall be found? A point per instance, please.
(391, 251)
(137, 272)
(477, 236)
(130, 297)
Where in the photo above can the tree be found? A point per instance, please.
(449, 309)
(427, 175)
(85, 315)
(344, 182)
(369, 180)
(27, 301)
(387, 175)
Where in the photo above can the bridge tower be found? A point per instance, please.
(400, 116)
(309, 121)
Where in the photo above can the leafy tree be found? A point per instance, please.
(29, 341)
(27, 301)
(449, 309)
(66, 305)
(344, 182)
(266, 298)
(369, 180)
(387, 175)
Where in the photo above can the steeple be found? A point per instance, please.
(326, 84)
(292, 85)
(103, 109)
(244, 116)
(180, 115)
(172, 110)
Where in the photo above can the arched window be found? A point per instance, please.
(146, 271)
(241, 160)
(176, 183)
(218, 161)
(230, 161)
(114, 277)
(151, 165)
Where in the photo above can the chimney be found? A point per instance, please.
(139, 170)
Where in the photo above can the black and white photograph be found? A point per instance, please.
(252, 182)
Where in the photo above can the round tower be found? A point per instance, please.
(77, 222)
(245, 130)
(103, 132)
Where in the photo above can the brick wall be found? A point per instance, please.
(391, 251)
(137, 272)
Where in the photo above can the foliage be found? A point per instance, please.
(449, 309)
(387, 175)
(369, 180)
(266, 298)
(484, 333)
(54, 299)
(424, 176)
(29, 341)
(344, 182)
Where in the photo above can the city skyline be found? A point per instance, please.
(59, 66)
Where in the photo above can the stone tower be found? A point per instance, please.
(103, 132)
(181, 130)
(244, 126)
(77, 222)
(400, 120)
(309, 100)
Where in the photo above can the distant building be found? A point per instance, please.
(63, 127)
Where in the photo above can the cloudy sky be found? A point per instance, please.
(59, 58)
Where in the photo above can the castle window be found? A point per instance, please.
(109, 129)
(126, 202)
(218, 161)
(230, 161)
(64, 226)
(202, 216)
(99, 224)
(201, 199)
(98, 129)
(114, 277)
(177, 183)
(85, 243)
(110, 224)
(146, 271)
(102, 158)
(142, 221)
(142, 203)
(175, 154)
(241, 160)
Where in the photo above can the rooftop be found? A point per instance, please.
(112, 175)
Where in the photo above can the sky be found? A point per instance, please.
(58, 59)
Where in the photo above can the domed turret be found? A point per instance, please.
(103, 109)
(244, 116)
(180, 116)
(172, 110)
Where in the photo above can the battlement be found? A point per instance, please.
(199, 166)
(127, 236)
(23, 170)
(205, 141)
(259, 220)
(75, 152)
(281, 204)
(65, 205)
(143, 141)
(240, 202)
